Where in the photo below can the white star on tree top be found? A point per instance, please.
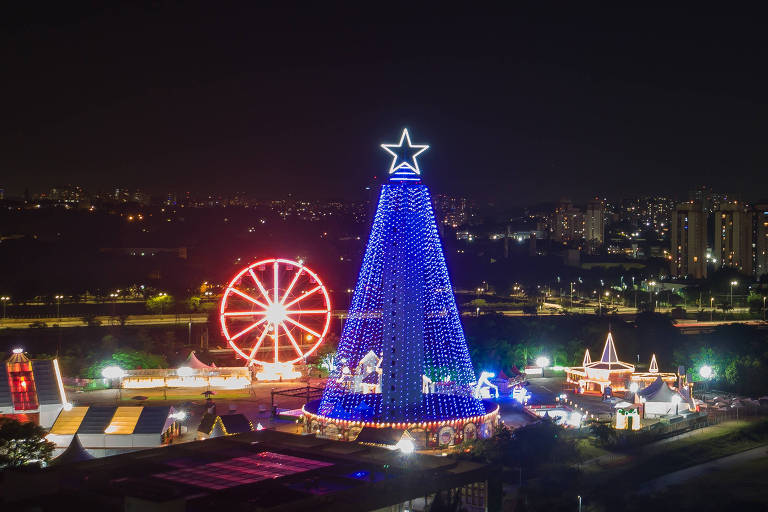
(404, 165)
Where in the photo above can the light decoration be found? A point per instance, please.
(275, 313)
(405, 446)
(112, 372)
(404, 166)
(404, 311)
(18, 351)
(485, 388)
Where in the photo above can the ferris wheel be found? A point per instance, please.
(275, 312)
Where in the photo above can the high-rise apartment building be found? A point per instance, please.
(760, 238)
(688, 236)
(567, 222)
(594, 222)
(733, 237)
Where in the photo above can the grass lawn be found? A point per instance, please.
(738, 488)
(666, 457)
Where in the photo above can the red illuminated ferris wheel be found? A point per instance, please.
(275, 312)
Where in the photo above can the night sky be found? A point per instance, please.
(518, 106)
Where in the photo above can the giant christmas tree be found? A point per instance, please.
(402, 358)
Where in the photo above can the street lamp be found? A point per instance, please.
(6, 299)
(651, 284)
(763, 308)
(733, 283)
(58, 305)
(711, 307)
(706, 372)
(542, 361)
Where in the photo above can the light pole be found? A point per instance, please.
(711, 307)
(58, 305)
(763, 308)
(572, 295)
(651, 284)
(6, 299)
(733, 283)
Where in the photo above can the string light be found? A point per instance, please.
(404, 311)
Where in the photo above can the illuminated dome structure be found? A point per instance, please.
(402, 360)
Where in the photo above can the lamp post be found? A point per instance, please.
(711, 307)
(763, 308)
(58, 305)
(651, 284)
(6, 299)
(733, 283)
(572, 295)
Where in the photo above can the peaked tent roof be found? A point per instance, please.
(609, 351)
(74, 453)
(659, 391)
(386, 436)
(587, 358)
(654, 365)
(610, 359)
(193, 362)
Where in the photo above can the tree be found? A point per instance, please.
(603, 432)
(22, 443)
(160, 304)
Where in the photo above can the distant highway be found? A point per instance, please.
(27, 323)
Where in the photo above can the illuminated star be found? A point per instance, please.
(404, 156)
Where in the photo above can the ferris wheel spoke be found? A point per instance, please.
(302, 326)
(290, 337)
(308, 312)
(248, 329)
(275, 271)
(244, 313)
(258, 343)
(290, 286)
(263, 290)
(303, 296)
(247, 297)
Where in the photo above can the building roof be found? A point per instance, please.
(659, 391)
(96, 419)
(235, 424)
(129, 419)
(263, 470)
(193, 362)
(5, 388)
(153, 420)
(654, 368)
(68, 421)
(74, 453)
(45, 382)
(206, 423)
(381, 436)
(587, 358)
(610, 359)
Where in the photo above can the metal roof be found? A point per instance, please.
(45, 382)
(152, 420)
(96, 419)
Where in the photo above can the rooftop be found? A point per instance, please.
(265, 469)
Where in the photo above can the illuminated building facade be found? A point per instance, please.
(610, 372)
(402, 360)
(688, 246)
(31, 389)
(761, 238)
(733, 237)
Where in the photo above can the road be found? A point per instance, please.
(721, 464)
(27, 323)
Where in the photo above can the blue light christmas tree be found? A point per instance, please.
(402, 356)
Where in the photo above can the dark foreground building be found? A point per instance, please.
(265, 470)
